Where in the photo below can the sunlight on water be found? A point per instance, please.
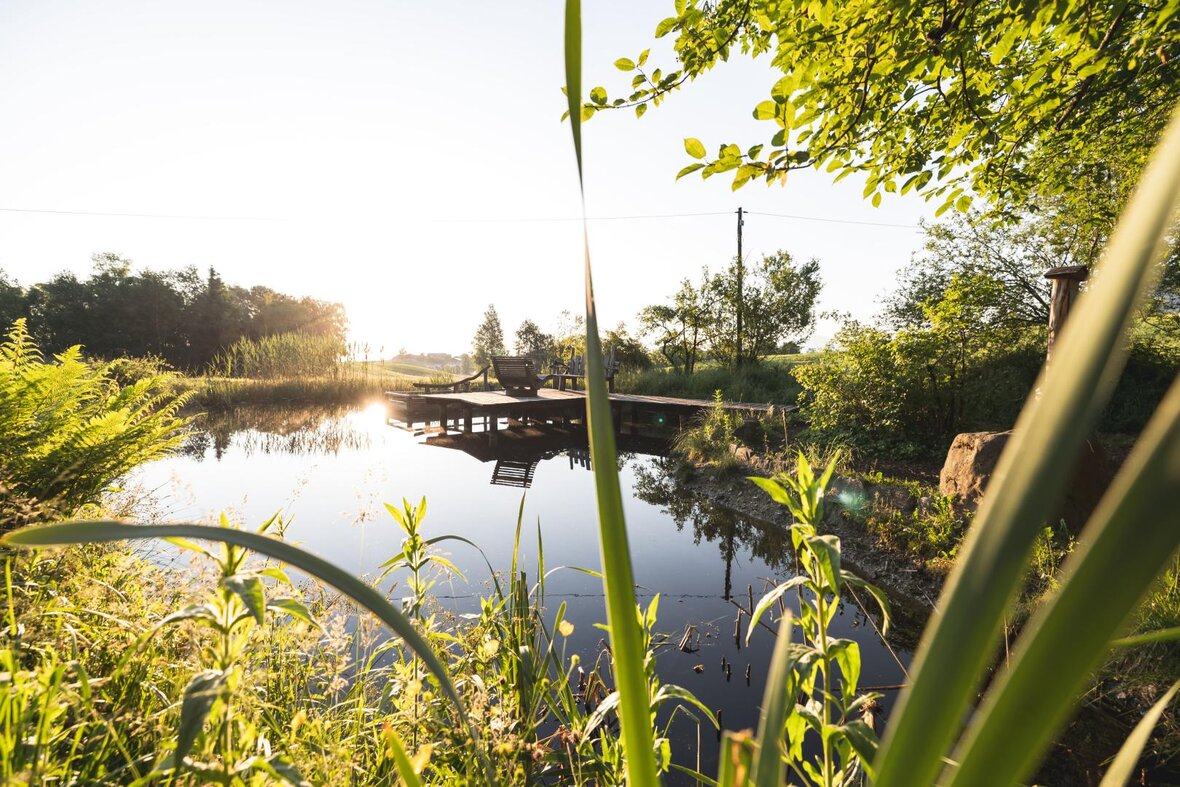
(329, 472)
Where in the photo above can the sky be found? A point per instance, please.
(406, 159)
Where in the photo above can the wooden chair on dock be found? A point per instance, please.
(576, 370)
(518, 373)
(456, 386)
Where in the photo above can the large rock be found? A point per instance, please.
(970, 463)
(972, 458)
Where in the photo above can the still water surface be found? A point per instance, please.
(329, 474)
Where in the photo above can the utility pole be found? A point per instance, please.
(741, 295)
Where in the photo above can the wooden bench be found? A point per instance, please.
(456, 386)
(517, 373)
(576, 370)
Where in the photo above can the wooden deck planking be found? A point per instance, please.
(412, 408)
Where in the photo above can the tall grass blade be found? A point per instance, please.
(780, 690)
(1130, 539)
(405, 768)
(99, 531)
(1123, 768)
(1028, 482)
(618, 578)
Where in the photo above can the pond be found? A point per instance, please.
(329, 474)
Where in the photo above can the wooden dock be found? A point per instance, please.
(462, 411)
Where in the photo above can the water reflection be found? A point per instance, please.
(319, 430)
(330, 471)
(657, 483)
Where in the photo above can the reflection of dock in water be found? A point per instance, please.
(513, 472)
(465, 411)
(518, 451)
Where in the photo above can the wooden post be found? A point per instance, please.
(1065, 282)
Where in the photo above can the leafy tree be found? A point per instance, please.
(489, 338)
(999, 99)
(12, 300)
(629, 351)
(960, 367)
(179, 316)
(535, 343)
(777, 298)
(679, 327)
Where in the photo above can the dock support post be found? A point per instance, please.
(467, 423)
(442, 416)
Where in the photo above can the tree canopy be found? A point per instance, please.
(181, 316)
(489, 338)
(777, 299)
(953, 100)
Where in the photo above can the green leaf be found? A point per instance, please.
(640, 109)
(691, 168)
(1009, 732)
(1148, 638)
(293, 607)
(766, 110)
(405, 768)
(248, 587)
(665, 26)
(598, 95)
(777, 698)
(1122, 769)
(877, 200)
(670, 691)
(864, 742)
(625, 64)
(102, 531)
(693, 147)
(628, 653)
(770, 599)
(202, 691)
(643, 56)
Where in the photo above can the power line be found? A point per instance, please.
(834, 221)
(473, 219)
(137, 215)
(524, 219)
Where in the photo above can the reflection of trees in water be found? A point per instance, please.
(275, 430)
(657, 483)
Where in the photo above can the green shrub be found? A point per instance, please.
(68, 430)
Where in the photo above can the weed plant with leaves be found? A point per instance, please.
(814, 695)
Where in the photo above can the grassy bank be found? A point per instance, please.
(769, 381)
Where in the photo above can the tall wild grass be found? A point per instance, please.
(508, 706)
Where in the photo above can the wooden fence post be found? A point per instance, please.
(1065, 282)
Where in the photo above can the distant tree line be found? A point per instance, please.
(181, 316)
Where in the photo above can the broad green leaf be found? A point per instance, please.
(625, 64)
(202, 691)
(598, 95)
(1026, 485)
(665, 26)
(770, 599)
(693, 147)
(248, 588)
(1068, 636)
(691, 168)
(765, 110)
